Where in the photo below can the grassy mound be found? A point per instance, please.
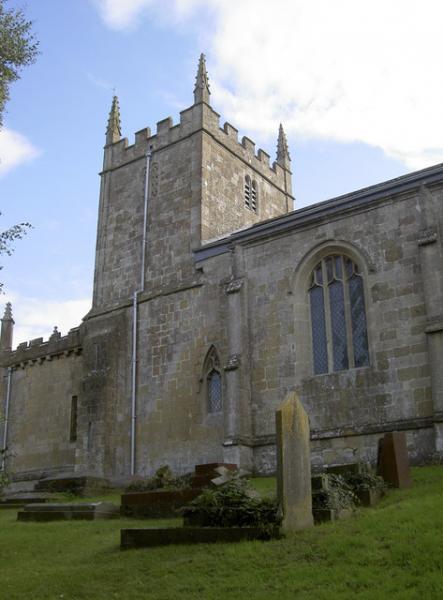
(392, 551)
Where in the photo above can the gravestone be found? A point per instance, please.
(89, 511)
(393, 460)
(294, 464)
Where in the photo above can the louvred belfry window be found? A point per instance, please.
(247, 191)
(338, 316)
(251, 194)
(254, 196)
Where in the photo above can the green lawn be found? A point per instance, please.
(392, 551)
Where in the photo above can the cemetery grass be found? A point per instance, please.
(394, 550)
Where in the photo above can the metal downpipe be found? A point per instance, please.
(5, 430)
(135, 318)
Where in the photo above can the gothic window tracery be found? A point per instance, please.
(213, 382)
(338, 316)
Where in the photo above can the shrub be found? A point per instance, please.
(365, 481)
(163, 479)
(338, 494)
(232, 505)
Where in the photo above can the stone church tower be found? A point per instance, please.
(213, 299)
(160, 199)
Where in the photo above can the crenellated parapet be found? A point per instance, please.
(197, 118)
(37, 351)
(245, 149)
(200, 117)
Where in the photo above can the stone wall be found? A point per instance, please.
(196, 192)
(44, 378)
(347, 409)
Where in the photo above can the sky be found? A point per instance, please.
(356, 84)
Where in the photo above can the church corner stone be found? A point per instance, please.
(294, 464)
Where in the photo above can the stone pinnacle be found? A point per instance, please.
(113, 131)
(8, 312)
(201, 89)
(283, 157)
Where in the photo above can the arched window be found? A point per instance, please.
(213, 382)
(338, 317)
(251, 194)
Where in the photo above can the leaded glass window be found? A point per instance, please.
(213, 382)
(214, 392)
(338, 317)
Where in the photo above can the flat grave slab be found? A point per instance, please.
(156, 504)
(325, 515)
(65, 512)
(11, 505)
(25, 498)
(145, 538)
(80, 485)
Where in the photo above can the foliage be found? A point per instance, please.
(232, 504)
(337, 494)
(164, 479)
(9, 236)
(18, 48)
(365, 481)
(391, 551)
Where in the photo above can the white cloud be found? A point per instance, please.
(99, 82)
(121, 14)
(127, 14)
(36, 318)
(344, 70)
(15, 149)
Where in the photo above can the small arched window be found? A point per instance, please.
(213, 382)
(251, 194)
(338, 316)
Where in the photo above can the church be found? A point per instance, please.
(213, 299)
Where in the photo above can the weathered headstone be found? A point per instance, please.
(294, 464)
(393, 460)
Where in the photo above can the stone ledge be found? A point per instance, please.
(357, 430)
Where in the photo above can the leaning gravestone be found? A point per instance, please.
(294, 464)
(393, 460)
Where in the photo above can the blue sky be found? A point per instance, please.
(354, 84)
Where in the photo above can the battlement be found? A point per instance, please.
(196, 118)
(245, 149)
(38, 350)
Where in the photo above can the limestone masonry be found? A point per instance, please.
(213, 299)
